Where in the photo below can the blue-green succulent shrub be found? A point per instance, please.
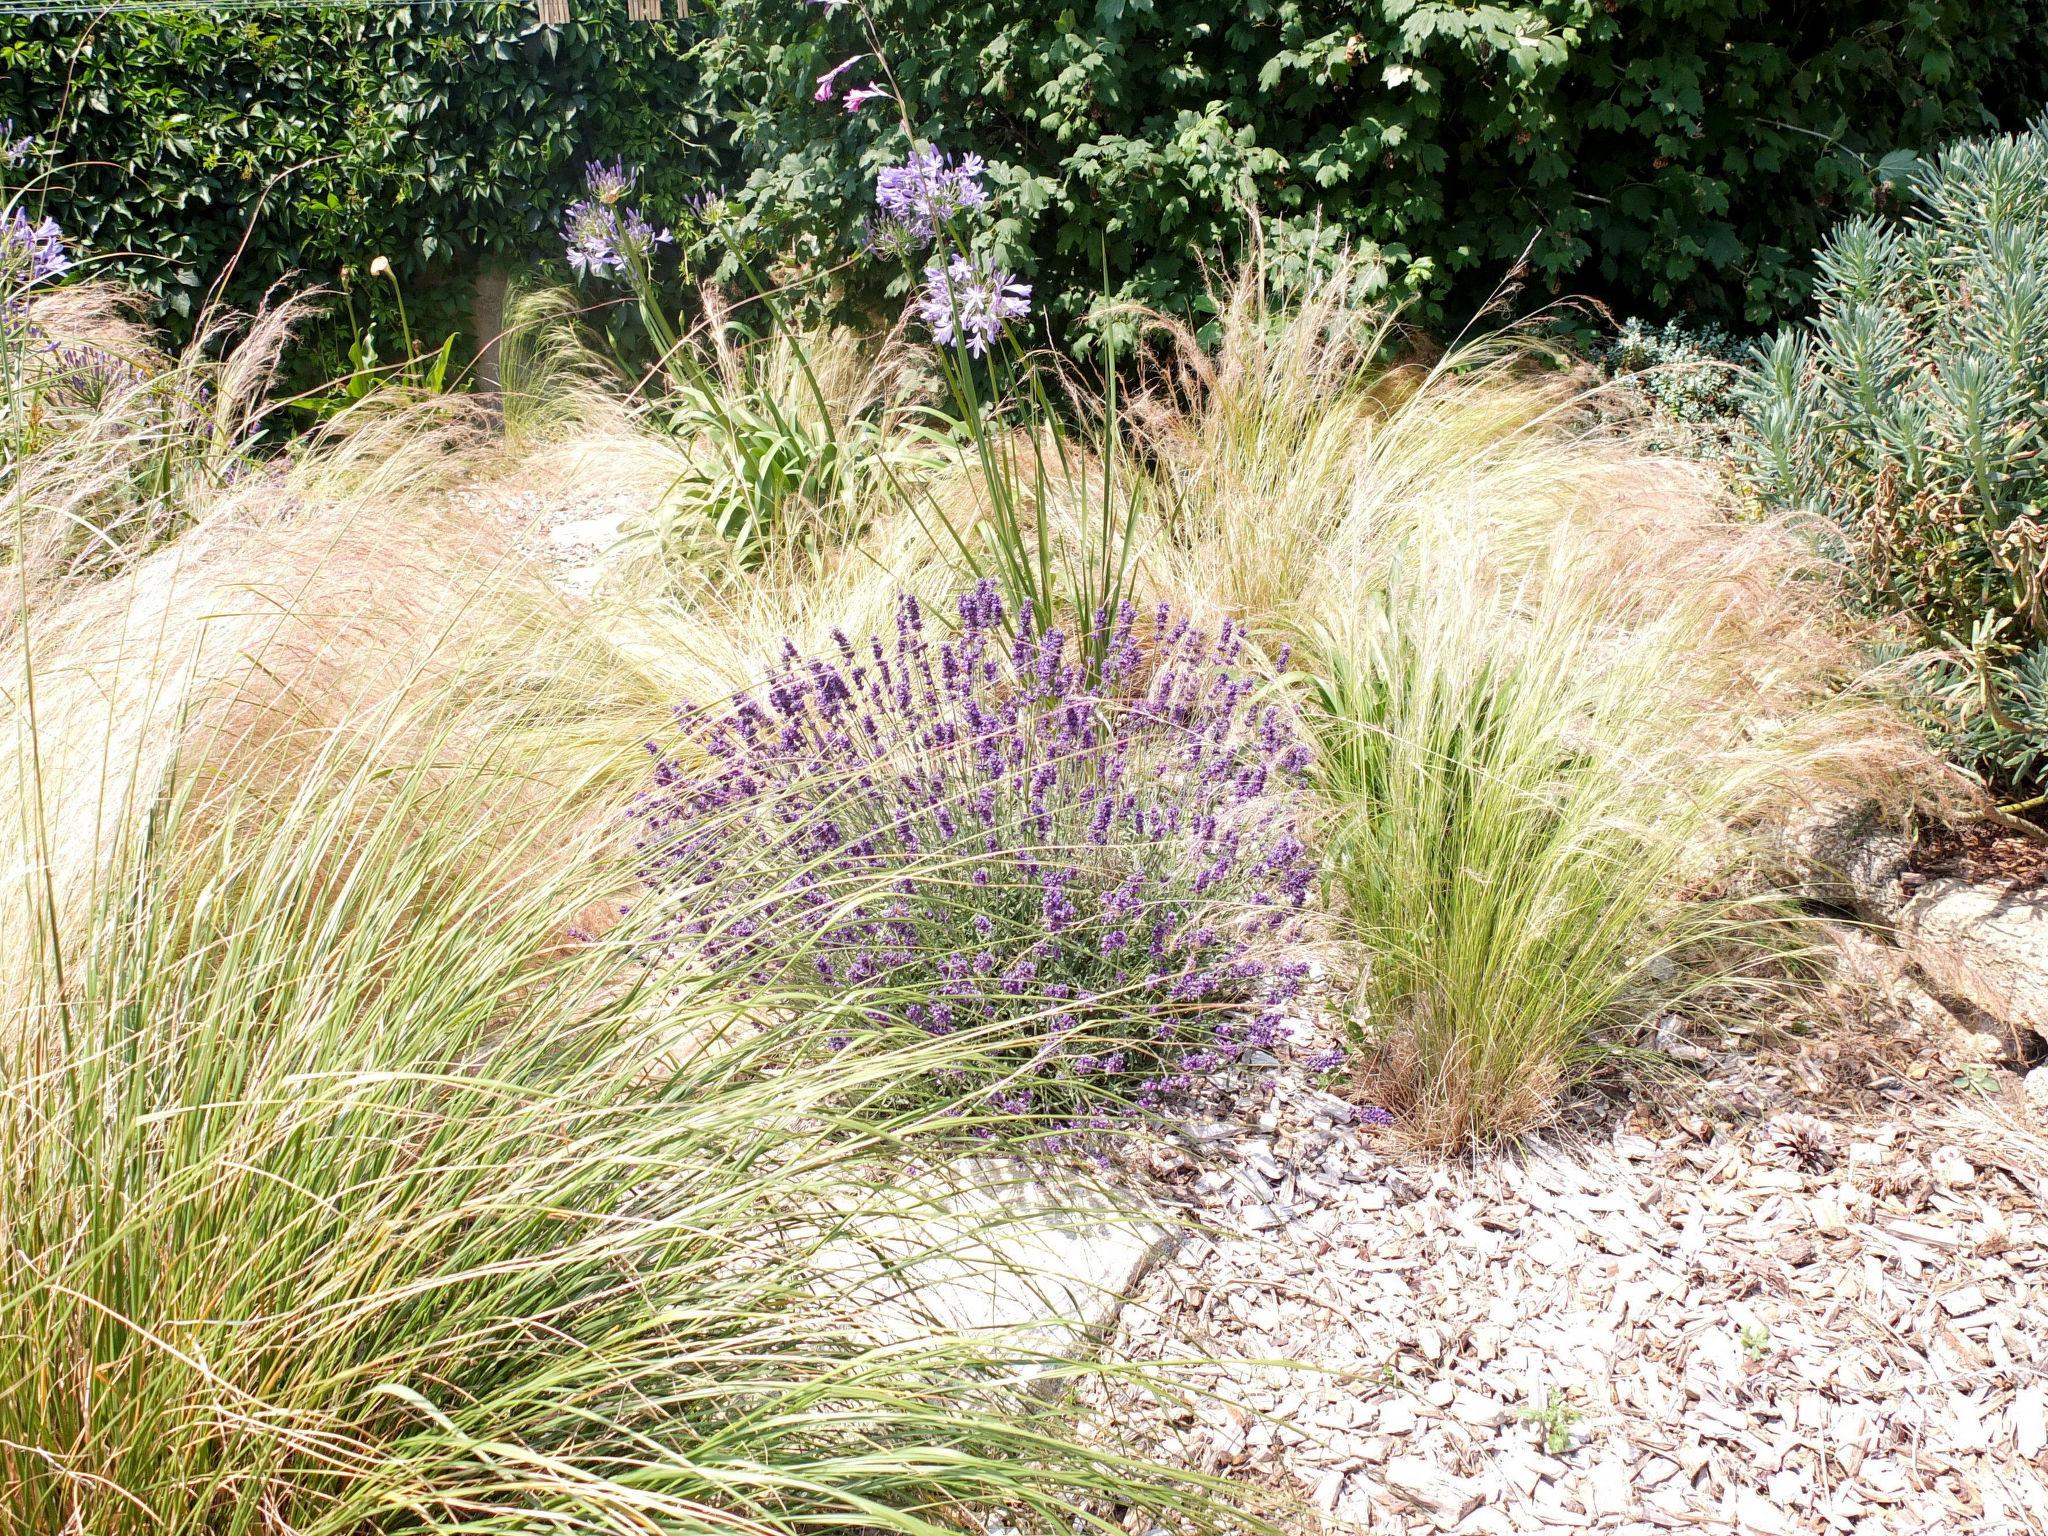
(1912, 416)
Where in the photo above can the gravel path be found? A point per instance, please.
(1807, 1291)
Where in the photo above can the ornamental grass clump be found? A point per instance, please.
(342, 1191)
(1103, 878)
(107, 442)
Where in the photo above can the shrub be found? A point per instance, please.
(1094, 870)
(441, 136)
(1681, 155)
(1910, 417)
(1688, 379)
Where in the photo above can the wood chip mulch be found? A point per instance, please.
(1808, 1292)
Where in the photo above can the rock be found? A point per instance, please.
(1981, 945)
(1060, 1265)
(1445, 1498)
(2036, 1083)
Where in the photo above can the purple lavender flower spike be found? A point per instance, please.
(965, 830)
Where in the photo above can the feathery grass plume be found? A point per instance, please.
(107, 445)
(344, 1186)
(1554, 676)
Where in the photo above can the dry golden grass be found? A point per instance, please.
(349, 599)
(100, 469)
(1554, 674)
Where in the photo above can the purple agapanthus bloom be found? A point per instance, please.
(608, 181)
(929, 190)
(31, 251)
(970, 302)
(984, 836)
(600, 234)
(13, 151)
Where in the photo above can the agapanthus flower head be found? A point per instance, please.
(970, 301)
(602, 238)
(608, 181)
(31, 250)
(13, 150)
(887, 240)
(929, 190)
(986, 831)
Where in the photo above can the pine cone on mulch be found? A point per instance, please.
(1793, 1140)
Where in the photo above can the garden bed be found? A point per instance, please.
(1796, 1291)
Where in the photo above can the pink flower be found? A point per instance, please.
(860, 96)
(827, 79)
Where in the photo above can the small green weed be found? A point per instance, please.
(1556, 1418)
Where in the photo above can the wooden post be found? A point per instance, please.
(643, 10)
(554, 13)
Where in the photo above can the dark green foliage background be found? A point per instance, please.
(441, 135)
(1674, 156)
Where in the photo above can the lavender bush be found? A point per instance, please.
(963, 834)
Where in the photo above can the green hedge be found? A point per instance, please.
(440, 135)
(1671, 155)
